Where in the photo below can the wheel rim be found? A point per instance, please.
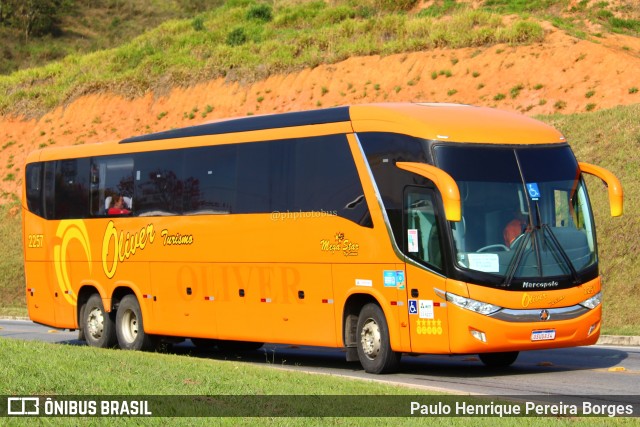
(370, 338)
(95, 323)
(129, 326)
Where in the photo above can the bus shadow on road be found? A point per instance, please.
(462, 366)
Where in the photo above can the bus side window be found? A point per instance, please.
(422, 229)
(33, 179)
(159, 182)
(66, 189)
(72, 189)
(562, 214)
(110, 175)
(210, 180)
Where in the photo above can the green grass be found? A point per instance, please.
(41, 369)
(575, 18)
(521, 6)
(12, 286)
(228, 44)
(123, 372)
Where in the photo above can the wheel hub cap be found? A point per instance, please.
(370, 339)
(95, 323)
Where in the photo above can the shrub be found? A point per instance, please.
(395, 5)
(260, 12)
(560, 105)
(198, 23)
(515, 91)
(8, 144)
(522, 32)
(439, 9)
(237, 37)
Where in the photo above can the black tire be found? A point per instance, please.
(499, 360)
(374, 348)
(81, 322)
(98, 326)
(130, 326)
(227, 345)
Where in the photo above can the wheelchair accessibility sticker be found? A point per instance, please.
(413, 306)
(533, 190)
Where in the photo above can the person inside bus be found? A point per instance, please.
(513, 229)
(118, 206)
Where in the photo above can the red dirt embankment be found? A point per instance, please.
(562, 74)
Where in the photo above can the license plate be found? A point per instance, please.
(546, 335)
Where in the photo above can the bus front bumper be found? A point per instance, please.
(471, 332)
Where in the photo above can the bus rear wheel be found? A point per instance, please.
(130, 327)
(97, 325)
(374, 347)
(499, 360)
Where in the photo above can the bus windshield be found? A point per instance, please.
(526, 221)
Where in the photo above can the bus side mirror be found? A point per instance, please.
(445, 183)
(613, 184)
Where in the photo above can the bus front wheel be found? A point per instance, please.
(129, 326)
(374, 347)
(98, 325)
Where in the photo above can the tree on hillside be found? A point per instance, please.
(34, 17)
(6, 10)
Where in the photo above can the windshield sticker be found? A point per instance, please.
(412, 239)
(533, 190)
(487, 263)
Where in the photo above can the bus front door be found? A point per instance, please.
(422, 245)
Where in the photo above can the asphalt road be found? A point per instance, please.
(586, 371)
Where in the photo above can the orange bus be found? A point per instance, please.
(382, 229)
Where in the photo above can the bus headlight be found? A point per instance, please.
(473, 305)
(592, 302)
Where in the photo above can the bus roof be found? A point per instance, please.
(437, 121)
(454, 123)
(251, 123)
(433, 121)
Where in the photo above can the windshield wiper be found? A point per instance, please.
(517, 257)
(563, 254)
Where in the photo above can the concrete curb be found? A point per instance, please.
(622, 340)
